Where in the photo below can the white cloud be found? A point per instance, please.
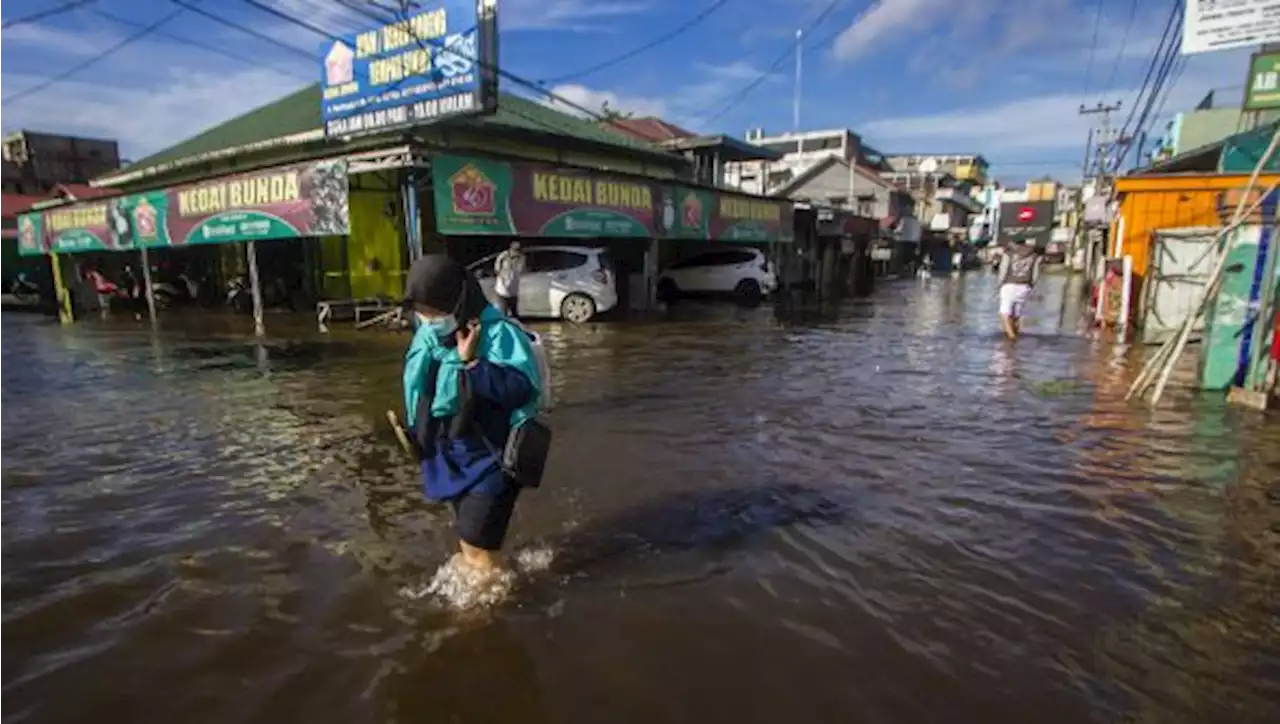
(145, 120)
(595, 100)
(709, 86)
(574, 15)
(1044, 122)
(63, 42)
(738, 70)
(886, 19)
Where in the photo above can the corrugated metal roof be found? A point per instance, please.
(299, 113)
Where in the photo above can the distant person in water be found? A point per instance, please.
(1019, 272)
(470, 377)
(509, 267)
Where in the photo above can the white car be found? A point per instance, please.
(574, 283)
(741, 271)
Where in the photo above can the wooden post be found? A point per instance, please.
(1264, 319)
(61, 296)
(1126, 298)
(255, 287)
(146, 284)
(412, 220)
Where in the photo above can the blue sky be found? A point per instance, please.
(999, 78)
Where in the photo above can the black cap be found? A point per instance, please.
(442, 283)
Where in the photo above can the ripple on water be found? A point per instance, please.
(879, 508)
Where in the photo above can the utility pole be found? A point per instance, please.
(795, 110)
(1100, 183)
(1104, 135)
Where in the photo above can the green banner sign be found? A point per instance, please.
(288, 202)
(689, 213)
(486, 197)
(73, 228)
(1262, 88)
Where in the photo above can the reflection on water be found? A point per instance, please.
(874, 512)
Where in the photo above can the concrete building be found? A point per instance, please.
(967, 169)
(838, 184)
(34, 163)
(798, 152)
(1201, 127)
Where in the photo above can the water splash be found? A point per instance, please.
(461, 587)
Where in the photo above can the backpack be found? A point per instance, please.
(546, 401)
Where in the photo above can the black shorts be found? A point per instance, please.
(509, 306)
(483, 519)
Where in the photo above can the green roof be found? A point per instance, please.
(299, 112)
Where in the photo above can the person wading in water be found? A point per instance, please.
(508, 267)
(470, 378)
(1019, 272)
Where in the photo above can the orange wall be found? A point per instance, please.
(1151, 203)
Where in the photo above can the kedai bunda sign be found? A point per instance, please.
(477, 196)
(309, 199)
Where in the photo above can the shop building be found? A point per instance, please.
(403, 149)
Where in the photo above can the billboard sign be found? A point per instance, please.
(1209, 25)
(1023, 220)
(438, 62)
(1262, 87)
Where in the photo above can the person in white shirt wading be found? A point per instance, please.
(1019, 271)
(508, 267)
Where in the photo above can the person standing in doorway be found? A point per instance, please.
(1019, 272)
(508, 267)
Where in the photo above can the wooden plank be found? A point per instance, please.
(1250, 398)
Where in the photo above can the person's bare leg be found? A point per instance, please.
(479, 558)
(1010, 325)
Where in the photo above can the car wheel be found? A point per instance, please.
(577, 308)
(748, 290)
(667, 290)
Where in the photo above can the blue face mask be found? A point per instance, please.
(441, 326)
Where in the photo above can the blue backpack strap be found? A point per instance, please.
(424, 427)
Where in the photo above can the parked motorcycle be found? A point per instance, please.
(24, 289)
(182, 289)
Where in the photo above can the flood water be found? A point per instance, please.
(874, 513)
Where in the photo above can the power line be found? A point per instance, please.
(90, 61)
(1093, 47)
(777, 63)
(291, 19)
(197, 44)
(1177, 75)
(45, 13)
(1128, 26)
(1166, 66)
(1151, 68)
(248, 31)
(670, 35)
